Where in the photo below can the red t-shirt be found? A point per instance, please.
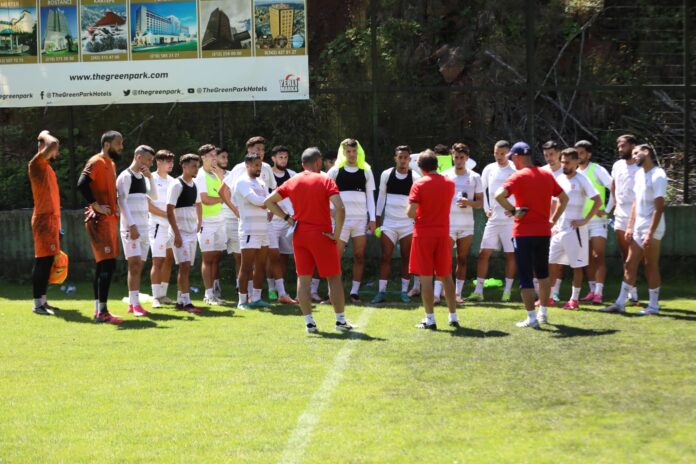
(44, 187)
(433, 193)
(310, 193)
(533, 187)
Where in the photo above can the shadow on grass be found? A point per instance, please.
(284, 310)
(394, 305)
(73, 315)
(681, 315)
(168, 317)
(475, 333)
(139, 324)
(208, 313)
(353, 335)
(566, 331)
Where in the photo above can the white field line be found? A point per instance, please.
(308, 420)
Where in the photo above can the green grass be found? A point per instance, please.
(231, 386)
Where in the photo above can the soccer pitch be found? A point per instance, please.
(251, 386)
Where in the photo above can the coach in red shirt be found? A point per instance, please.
(533, 189)
(314, 243)
(431, 251)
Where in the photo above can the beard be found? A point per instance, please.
(640, 161)
(114, 155)
(567, 171)
(626, 156)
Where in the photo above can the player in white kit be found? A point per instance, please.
(133, 187)
(600, 178)
(646, 227)
(248, 194)
(623, 176)
(570, 237)
(552, 155)
(279, 235)
(395, 226)
(468, 194)
(160, 243)
(356, 185)
(498, 232)
(230, 218)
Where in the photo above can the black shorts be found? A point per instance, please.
(532, 258)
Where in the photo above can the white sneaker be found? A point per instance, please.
(213, 301)
(528, 323)
(217, 293)
(648, 311)
(344, 326)
(156, 303)
(311, 328)
(542, 318)
(614, 309)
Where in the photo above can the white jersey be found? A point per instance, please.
(556, 173)
(465, 186)
(266, 176)
(133, 189)
(227, 213)
(492, 178)
(357, 192)
(579, 189)
(624, 180)
(392, 201)
(202, 186)
(648, 187)
(186, 216)
(161, 184)
(249, 195)
(286, 203)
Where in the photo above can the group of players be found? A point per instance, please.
(249, 212)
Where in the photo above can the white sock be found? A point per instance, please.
(592, 284)
(382, 285)
(654, 294)
(341, 317)
(271, 284)
(164, 286)
(531, 315)
(256, 294)
(280, 286)
(309, 319)
(416, 282)
(508, 285)
(133, 298)
(37, 303)
(186, 298)
(237, 280)
(599, 289)
(576, 294)
(43, 299)
(178, 297)
(479, 285)
(430, 318)
(355, 288)
(209, 293)
(438, 288)
(96, 305)
(453, 317)
(623, 294)
(459, 286)
(156, 289)
(404, 285)
(243, 297)
(216, 285)
(250, 287)
(634, 293)
(556, 287)
(314, 288)
(536, 286)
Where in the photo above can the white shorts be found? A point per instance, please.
(570, 247)
(353, 228)
(395, 231)
(597, 228)
(213, 237)
(187, 251)
(232, 229)
(642, 230)
(159, 240)
(620, 223)
(459, 232)
(253, 242)
(497, 236)
(139, 247)
(278, 237)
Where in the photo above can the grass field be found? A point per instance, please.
(233, 386)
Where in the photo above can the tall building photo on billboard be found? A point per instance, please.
(168, 25)
(59, 28)
(18, 31)
(220, 35)
(280, 25)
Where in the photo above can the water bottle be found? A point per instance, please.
(194, 290)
